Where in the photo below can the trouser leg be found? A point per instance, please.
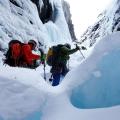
(56, 79)
(65, 70)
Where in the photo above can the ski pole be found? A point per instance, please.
(82, 54)
(44, 71)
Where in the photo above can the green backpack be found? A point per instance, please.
(53, 54)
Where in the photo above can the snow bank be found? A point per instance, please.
(22, 91)
(98, 76)
(95, 83)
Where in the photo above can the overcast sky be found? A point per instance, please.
(85, 12)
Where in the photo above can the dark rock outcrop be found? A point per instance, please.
(45, 12)
(15, 3)
(66, 9)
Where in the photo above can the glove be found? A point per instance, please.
(42, 62)
(83, 48)
(77, 47)
(43, 57)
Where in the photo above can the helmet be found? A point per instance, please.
(68, 46)
(33, 42)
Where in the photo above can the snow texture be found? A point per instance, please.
(89, 92)
(93, 84)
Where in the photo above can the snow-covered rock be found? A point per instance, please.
(107, 23)
(66, 9)
(42, 20)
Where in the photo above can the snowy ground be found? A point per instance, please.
(89, 92)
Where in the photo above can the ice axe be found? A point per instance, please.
(83, 48)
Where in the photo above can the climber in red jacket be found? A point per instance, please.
(28, 57)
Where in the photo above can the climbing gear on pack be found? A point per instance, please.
(53, 54)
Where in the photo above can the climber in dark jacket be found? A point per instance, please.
(60, 66)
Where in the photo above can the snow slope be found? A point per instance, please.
(93, 84)
(89, 92)
(19, 89)
(107, 22)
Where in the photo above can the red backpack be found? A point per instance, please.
(15, 49)
(13, 53)
(16, 55)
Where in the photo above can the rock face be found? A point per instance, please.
(66, 9)
(44, 8)
(107, 23)
(45, 11)
(42, 20)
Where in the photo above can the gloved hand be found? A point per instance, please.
(77, 47)
(83, 48)
(43, 57)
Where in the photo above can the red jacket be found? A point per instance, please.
(15, 50)
(27, 54)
